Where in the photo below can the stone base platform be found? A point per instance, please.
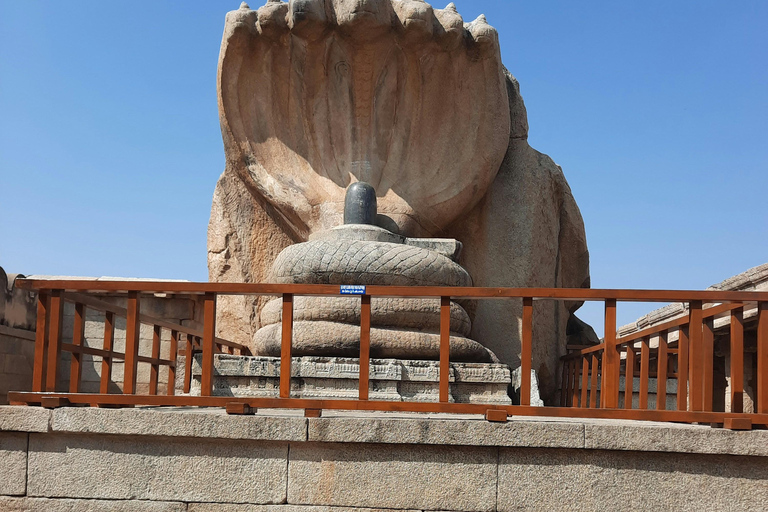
(337, 378)
(201, 460)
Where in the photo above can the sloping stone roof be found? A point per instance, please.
(754, 279)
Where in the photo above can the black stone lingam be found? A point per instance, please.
(360, 204)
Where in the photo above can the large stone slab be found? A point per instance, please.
(164, 469)
(69, 505)
(13, 463)
(338, 378)
(534, 479)
(24, 419)
(174, 423)
(447, 432)
(658, 437)
(393, 476)
(222, 507)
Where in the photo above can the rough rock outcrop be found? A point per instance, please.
(316, 94)
(18, 308)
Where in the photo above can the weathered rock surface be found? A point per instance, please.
(338, 339)
(385, 312)
(316, 95)
(18, 307)
(526, 232)
(366, 262)
(446, 161)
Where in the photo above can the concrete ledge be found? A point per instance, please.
(70, 505)
(24, 419)
(179, 422)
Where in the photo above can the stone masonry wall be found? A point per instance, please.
(176, 310)
(205, 461)
(17, 351)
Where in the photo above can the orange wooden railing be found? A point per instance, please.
(49, 345)
(689, 361)
(587, 373)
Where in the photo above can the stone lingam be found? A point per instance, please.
(405, 333)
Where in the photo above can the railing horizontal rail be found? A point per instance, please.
(155, 360)
(457, 292)
(677, 322)
(81, 349)
(377, 405)
(655, 330)
(106, 307)
(591, 375)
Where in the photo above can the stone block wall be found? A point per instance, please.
(17, 352)
(175, 310)
(205, 461)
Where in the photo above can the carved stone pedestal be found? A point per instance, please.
(337, 378)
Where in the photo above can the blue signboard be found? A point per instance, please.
(352, 289)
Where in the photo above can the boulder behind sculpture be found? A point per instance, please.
(310, 104)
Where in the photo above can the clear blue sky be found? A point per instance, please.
(657, 111)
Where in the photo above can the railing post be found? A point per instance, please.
(609, 392)
(526, 342)
(629, 376)
(661, 372)
(173, 356)
(78, 337)
(696, 367)
(737, 360)
(445, 346)
(188, 363)
(576, 380)
(106, 361)
(584, 381)
(41, 340)
(645, 358)
(54, 339)
(132, 332)
(209, 336)
(564, 385)
(707, 363)
(365, 345)
(682, 369)
(593, 383)
(154, 372)
(285, 346)
(762, 357)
